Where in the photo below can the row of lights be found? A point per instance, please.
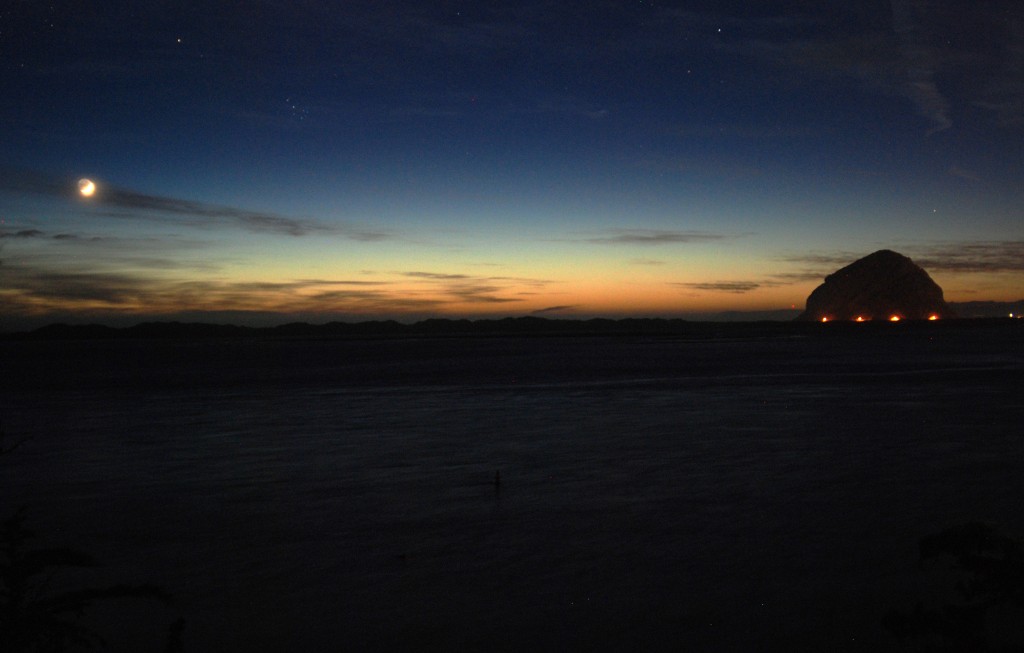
(892, 318)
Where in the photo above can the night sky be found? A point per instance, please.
(259, 162)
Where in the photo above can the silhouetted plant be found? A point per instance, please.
(34, 619)
(991, 565)
(4, 447)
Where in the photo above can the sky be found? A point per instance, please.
(261, 162)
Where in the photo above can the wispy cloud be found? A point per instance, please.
(891, 61)
(959, 257)
(940, 55)
(771, 280)
(105, 252)
(477, 289)
(653, 237)
(21, 180)
(481, 294)
(921, 59)
(733, 287)
(124, 203)
(205, 214)
(35, 288)
(710, 166)
(788, 278)
(746, 132)
(554, 309)
(22, 233)
(435, 275)
(963, 173)
(828, 261)
(1000, 256)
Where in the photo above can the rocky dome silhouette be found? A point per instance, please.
(881, 286)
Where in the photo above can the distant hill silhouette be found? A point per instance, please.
(988, 309)
(530, 327)
(435, 328)
(881, 286)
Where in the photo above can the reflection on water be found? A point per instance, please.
(306, 496)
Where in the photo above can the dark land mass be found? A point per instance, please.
(882, 285)
(988, 309)
(518, 326)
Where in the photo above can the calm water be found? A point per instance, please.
(762, 494)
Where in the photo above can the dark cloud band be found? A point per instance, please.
(654, 237)
(122, 203)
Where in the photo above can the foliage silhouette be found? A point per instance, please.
(990, 567)
(4, 448)
(32, 619)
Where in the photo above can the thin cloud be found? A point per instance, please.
(481, 294)
(434, 275)
(124, 203)
(476, 289)
(39, 286)
(769, 281)
(1003, 256)
(740, 131)
(826, 261)
(35, 288)
(713, 165)
(70, 238)
(815, 267)
(23, 233)
(789, 278)
(961, 257)
(568, 105)
(31, 290)
(881, 61)
(522, 280)
(20, 180)
(921, 60)
(213, 214)
(957, 171)
(110, 252)
(339, 282)
(298, 285)
(924, 53)
(654, 237)
(733, 287)
(554, 309)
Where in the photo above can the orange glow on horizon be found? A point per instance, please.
(859, 319)
(894, 318)
(933, 317)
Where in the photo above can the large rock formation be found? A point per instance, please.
(879, 286)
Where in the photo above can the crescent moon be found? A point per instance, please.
(86, 187)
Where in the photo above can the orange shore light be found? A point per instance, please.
(894, 318)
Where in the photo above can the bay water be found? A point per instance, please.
(491, 494)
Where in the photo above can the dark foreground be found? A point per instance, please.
(754, 490)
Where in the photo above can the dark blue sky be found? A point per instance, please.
(434, 158)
